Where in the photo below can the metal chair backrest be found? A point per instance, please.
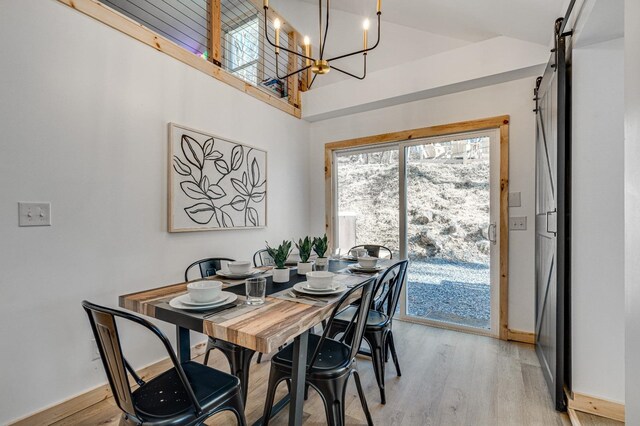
(262, 258)
(105, 331)
(389, 287)
(374, 250)
(208, 267)
(354, 331)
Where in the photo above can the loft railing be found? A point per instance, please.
(228, 33)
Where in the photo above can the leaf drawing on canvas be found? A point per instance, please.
(223, 182)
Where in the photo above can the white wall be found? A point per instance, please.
(597, 282)
(513, 98)
(632, 207)
(84, 112)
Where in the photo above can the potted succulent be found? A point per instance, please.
(304, 251)
(280, 255)
(320, 246)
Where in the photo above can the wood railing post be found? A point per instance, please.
(292, 83)
(213, 32)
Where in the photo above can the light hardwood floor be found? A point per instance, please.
(449, 378)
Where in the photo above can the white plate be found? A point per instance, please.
(187, 300)
(228, 274)
(348, 258)
(177, 303)
(357, 267)
(303, 287)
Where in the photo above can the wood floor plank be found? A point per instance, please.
(449, 378)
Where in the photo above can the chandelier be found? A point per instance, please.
(320, 64)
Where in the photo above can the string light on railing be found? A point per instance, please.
(320, 65)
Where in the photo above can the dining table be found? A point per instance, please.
(286, 317)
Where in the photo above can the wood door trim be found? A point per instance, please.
(499, 122)
(596, 406)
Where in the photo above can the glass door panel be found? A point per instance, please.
(449, 230)
(367, 198)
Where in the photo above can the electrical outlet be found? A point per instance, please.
(34, 214)
(518, 223)
(514, 199)
(95, 353)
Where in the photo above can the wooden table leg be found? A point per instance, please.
(298, 375)
(183, 342)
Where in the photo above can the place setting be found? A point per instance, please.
(320, 287)
(366, 265)
(239, 270)
(204, 296)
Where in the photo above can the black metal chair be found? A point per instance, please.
(239, 357)
(262, 258)
(208, 267)
(374, 250)
(378, 333)
(186, 394)
(330, 362)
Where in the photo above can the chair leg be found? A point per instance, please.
(274, 380)
(238, 408)
(392, 346)
(207, 351)
(259, 358)
(377, 356)
(333, 394)
(363, 399)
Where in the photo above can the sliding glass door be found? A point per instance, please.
(367, 198)
(434, 201)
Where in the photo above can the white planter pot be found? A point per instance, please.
(304, 267)
(280, 275)
(322, 263)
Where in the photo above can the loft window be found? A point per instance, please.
(243, 50)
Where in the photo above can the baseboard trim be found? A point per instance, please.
(573, 417)
(85, 400)
(597, 406)
(521, 336)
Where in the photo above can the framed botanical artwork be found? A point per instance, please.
(214, 183)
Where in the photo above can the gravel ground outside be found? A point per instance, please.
(449, 291)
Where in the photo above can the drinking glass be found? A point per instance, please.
(255, 289)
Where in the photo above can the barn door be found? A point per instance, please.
(552, 221)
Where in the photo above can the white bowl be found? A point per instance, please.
(320, 279)
(239, 266)
(204, 290)
(368, 261)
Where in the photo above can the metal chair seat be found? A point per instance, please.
(163, 399)
(375, 319)
(333, 357)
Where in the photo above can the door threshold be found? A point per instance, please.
(447, 326)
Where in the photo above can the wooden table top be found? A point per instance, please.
(263, 328)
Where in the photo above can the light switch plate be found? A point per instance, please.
(518, 223)
(34, 214)
(514, 199)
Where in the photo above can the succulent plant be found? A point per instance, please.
(304, 248)
(280, 254)
(320, 245)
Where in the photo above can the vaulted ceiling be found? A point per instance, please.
(469, 20)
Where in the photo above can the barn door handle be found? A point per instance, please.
(552, 222)
(492, 233)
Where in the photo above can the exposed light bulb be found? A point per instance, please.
(307, 41)
(365, 24)
(277, 24)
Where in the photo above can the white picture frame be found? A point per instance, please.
(214, 183)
